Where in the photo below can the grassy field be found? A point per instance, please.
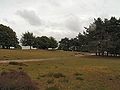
(32, 54)
(68, 72)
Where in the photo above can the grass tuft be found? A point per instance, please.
(52, 88)
(55, 75)
(78, 74)
(79, 78)
(17, 63)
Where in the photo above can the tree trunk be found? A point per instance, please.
(114, 55)
(99, 53)
(30, 47)
(102, 53)
(96, 53)
(3, 47)
(107, 53)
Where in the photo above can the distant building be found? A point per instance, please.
(27, 47)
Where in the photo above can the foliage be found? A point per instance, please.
(45, 42)
(8, 37)
(64, 44)
(53, 43)
(101, 37)
(74, 44)
(18, 47)
(105, 37)
(27, 39)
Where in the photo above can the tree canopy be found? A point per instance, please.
(44, 42)
(101, 37)
(8, 37)
(27, 39)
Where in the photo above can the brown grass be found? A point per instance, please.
(73, 73)
(31, 54)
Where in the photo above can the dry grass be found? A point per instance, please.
(31, 54)
(73, 73)
(79, 73)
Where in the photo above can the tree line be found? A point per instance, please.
(43, 42)
(101, 37)
(9, 39)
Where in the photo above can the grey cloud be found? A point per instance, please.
(8, 21)
(73, 23)
(54, 15)
(55, 2)
(30, 16)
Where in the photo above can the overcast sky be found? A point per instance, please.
(57, 18)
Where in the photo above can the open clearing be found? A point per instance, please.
(32, 54)
(66, 71)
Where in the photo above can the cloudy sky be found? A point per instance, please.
(57, 18)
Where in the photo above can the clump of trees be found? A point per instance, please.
(78, 43)
(104, 38)
(8, 37)
(43, 42)
(101, 37)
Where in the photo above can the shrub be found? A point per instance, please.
(50, 81)
(17, 63)
(78, 74)
(79, 78)
(16, 81)
(58, 75)
(18, 47)
(55, 75)
(20, 68)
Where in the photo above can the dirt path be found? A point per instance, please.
(29, 60)
(36, 60)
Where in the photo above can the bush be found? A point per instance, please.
(79, 78)
(55, 75)
(16, 81)
(17, 63)
(78, 74)
(18, 47)
(58, 75)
